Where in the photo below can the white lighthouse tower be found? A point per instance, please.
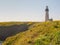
(47, 14)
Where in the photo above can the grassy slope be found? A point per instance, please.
(45, 33)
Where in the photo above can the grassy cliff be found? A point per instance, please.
(38, 33)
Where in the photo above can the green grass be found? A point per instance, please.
(39, 33)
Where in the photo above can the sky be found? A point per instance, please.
(28, 10)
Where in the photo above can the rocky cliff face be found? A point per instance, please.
(6, 31)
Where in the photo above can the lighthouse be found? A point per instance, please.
(47, 14)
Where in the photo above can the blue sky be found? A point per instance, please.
(28, 10)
